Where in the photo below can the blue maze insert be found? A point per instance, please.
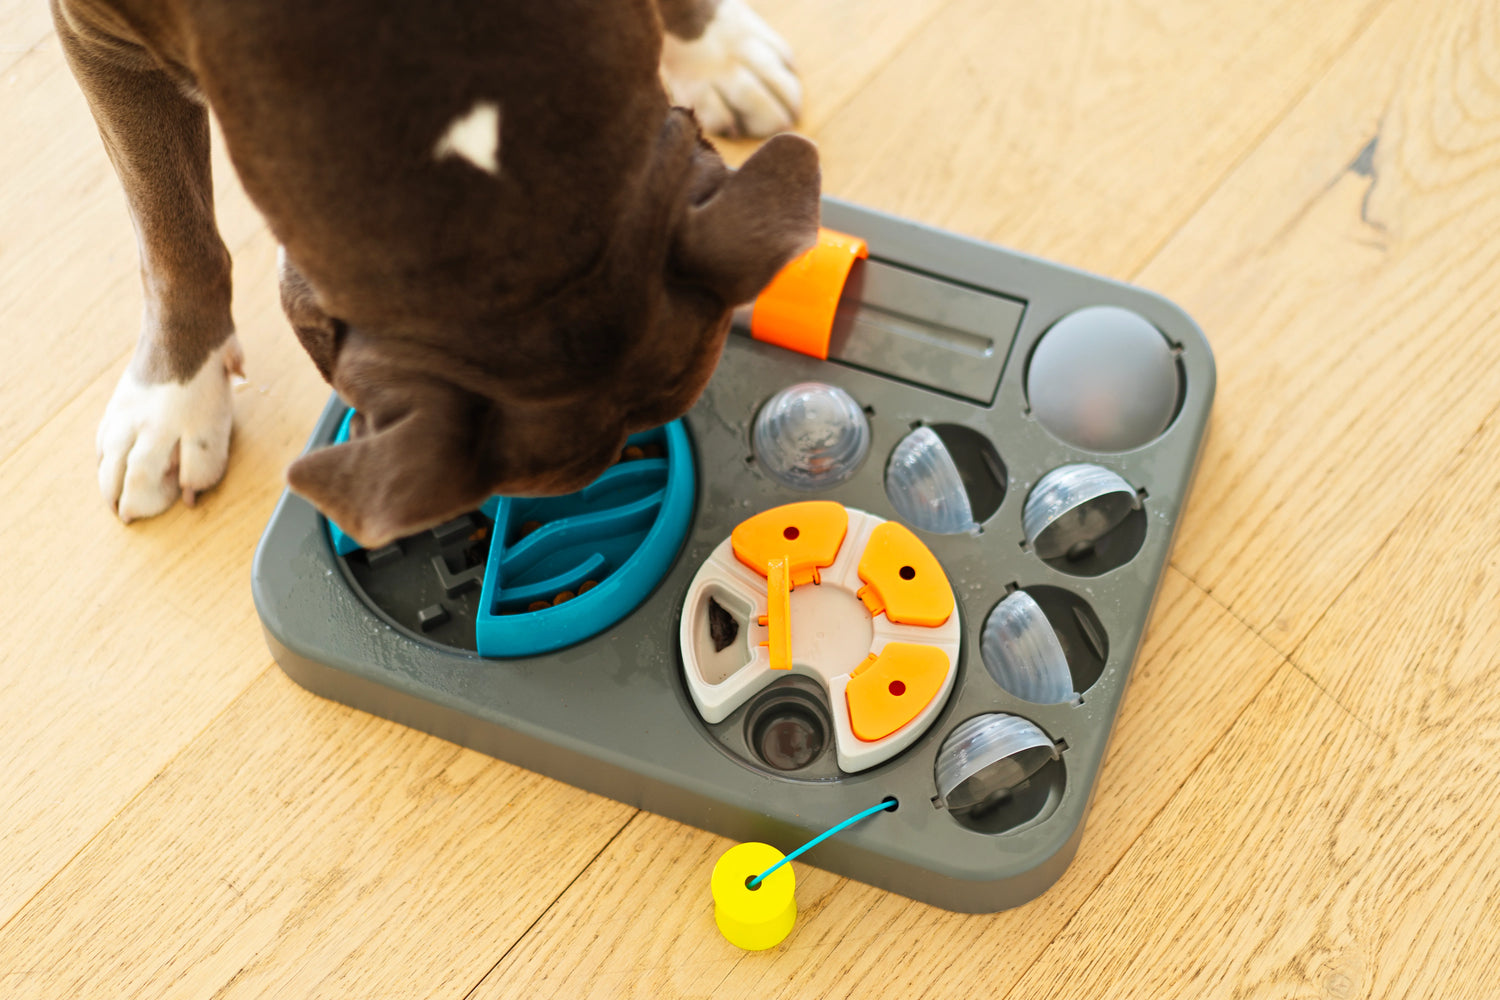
(554, 570)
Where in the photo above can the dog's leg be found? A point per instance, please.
(166, 429)
(720, 59)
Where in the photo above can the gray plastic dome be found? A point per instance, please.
(1105, 379)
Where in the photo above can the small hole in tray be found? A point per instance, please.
(897, 688)
(791, 533)
(908, 573)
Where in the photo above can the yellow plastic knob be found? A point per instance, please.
(759, 918)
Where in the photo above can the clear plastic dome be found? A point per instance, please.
(924, 485)
(988, 756)
(1023, 654)
(1074, 506)
(811, 436)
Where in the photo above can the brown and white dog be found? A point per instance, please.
(501, 243)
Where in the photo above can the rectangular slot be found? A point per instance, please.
(911, 326)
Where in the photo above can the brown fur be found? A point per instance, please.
(497, 333)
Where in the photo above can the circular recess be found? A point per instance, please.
(811, 436)
(946, 479)
(995, 772)
(787, 729)
(1044, 645)
(1084, 519)
(1105, 379)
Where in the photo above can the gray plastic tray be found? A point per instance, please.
(612, 714)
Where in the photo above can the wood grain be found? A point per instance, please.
(1355, 868)
(1083, 131)
(24, 24)
(289, 860)
(1414, 642)
(129, 641)
(1348, 276)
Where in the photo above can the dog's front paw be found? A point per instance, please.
(159, 441)
(736, 76)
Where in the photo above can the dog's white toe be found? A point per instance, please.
(736, 76)
(161, 441)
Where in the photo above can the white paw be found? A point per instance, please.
(736, 76)
(157, 442)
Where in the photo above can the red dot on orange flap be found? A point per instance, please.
(807, 535)
(797, 308)
(903, 578)
(885, 694)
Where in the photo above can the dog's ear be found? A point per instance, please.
(762, 216)
(415, 472)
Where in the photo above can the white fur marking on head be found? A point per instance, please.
(475, 136)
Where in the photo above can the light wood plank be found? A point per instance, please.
(128, 641)
(1414, 642)
(837, 47)
(1305, 859)
(303, 849)
(1350, 297)
(639, 922)
(24, 25)
(1084, 131)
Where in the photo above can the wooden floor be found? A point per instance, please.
(1300, 796)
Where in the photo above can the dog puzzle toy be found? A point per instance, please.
(903, 548)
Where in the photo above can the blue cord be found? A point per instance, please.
(885, 806)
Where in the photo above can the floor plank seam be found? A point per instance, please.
(84, 388)
(134, 797)
(1287, 657)
(548, 908)
(24, 52)
(1146, 827)
(125, 354)
(1250, 148)
(879, 68)
(1211, 596)
(1437, 480)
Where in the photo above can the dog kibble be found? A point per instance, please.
(527, 527)
(587, 585)
(539, 606)
(566, 595)
(631, 453)
(722, 627)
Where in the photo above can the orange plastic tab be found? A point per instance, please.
(796, 309)
(807, 535)
(903, 578)
(889, 692)
(779, 613)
